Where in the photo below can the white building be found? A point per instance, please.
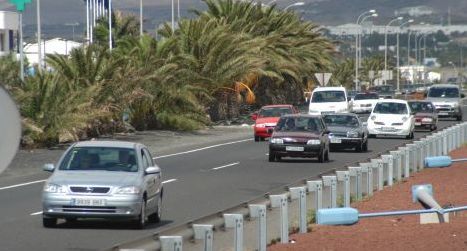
(416, 11)
(368, 28)
(8, 27)
(52, 46)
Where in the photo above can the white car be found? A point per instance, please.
(391, 117)
(364, 102)
(328, 100)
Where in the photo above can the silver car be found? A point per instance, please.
(103, 179)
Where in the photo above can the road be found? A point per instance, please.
(199, 180)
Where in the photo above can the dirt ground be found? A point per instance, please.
(399, 232)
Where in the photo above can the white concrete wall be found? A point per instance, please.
(8, 20)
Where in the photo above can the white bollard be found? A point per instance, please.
(344, 178)
(204, 232)
(406, 162)
(378, 167)
(259, 211)
(356, 178)
(420, 157)
(300, 194)
(316, 187)
(280, 201)
(397, 165)
(171, 243)
(412, 157)
(235, 221)
(367, 176)
(388, 162)
(330, 182)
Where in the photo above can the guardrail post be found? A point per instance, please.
(300, 194)
(280, 201)
(259, 211)
(445, 142)
(357, 173)
(413, 157)
(404, 161)
(204, 232)
(344, 177)
(330, 182)
(396, 165)
(235, 221)
(388, 161)
(171, 243)
(316, 187)
(458, 136)
(420, 157)
(367, 176)
(430, 140)
(378, 166)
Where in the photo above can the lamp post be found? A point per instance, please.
(110, 24)
(398, 63)
(39, 52)
(173, 13)
(386, 42)
(457, 73)
(357, 33)
(140, 18)
(360, 39)
(294, 5)
(73, 28)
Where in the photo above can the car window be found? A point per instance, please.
(341, 120)
(274, 111)
(149, 157)
(328, 96)
(299, 124)
(145, 159)
(421, 107)
(447, 92)
(390, 108)
(100, 158)
(363, 96)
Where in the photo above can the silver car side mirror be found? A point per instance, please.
(152, 170)
(48, 167)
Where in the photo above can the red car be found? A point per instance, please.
(267, 117)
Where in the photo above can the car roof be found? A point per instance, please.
(342, 114)
(301, 115)
(270, 106)
(333, 88)
(419, 101)
(106, 143)
(445, 85)
(393, 101)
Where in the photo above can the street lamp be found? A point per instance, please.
(359, 47)
(357, 41)
(294, 4)
(110, 24)
(140, 18)
(398, 64)
(386, 42)
(457, 73)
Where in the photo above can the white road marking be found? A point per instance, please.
(22, 184)
(36, 213)
(168, 181)
(224, 166)
(203, 148)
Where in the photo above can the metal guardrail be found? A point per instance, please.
(334, 189)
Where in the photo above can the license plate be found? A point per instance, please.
(294, 148)
(418, 123)
(336, 140)
(88, 202)
(387, 128)
(443, 113)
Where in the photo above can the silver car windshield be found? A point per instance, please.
(100, 158)
(443, 92)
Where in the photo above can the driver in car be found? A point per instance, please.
(126, 159)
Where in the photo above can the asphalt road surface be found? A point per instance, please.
(199, 180)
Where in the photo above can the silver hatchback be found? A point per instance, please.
(103, 179)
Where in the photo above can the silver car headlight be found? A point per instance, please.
(352, 134)
(313, 142)
(277, 141)
(54, 188)
(128, 190)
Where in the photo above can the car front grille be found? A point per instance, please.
(89, 189)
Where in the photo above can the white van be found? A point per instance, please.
(325, 100)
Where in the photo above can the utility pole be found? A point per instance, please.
(39, 52)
